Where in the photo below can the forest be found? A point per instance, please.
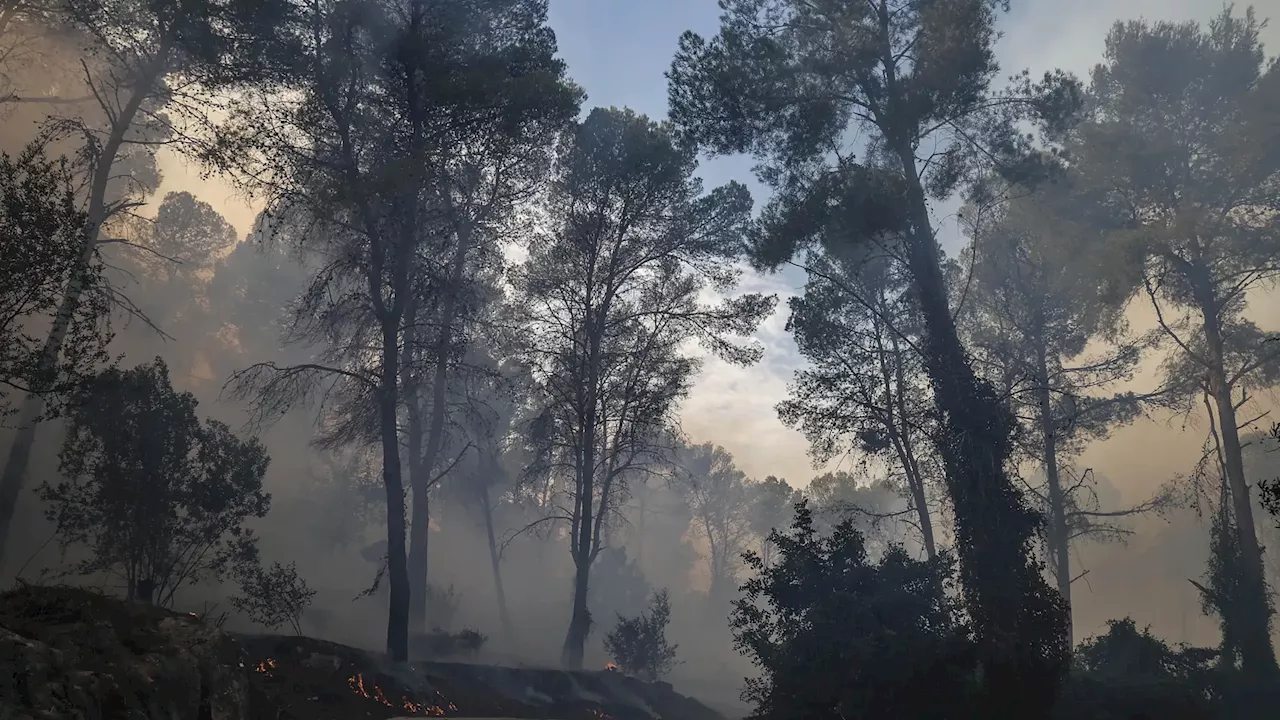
(434, 401)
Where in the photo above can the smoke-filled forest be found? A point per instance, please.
(864, 367)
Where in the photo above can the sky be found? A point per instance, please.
(619, 50)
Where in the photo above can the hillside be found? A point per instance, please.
(70, 653)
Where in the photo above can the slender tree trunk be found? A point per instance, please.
(644, 496)
(420, 512)
(14, 475)
(147, 591)
(418, 563)
(398, 616)
(426, 464)
(409, 611)
(915, 482)
(582, 546)
(910, 464)
(1257, 655)
(575, 640)
(495, 562)
(580, 621)
(1058, 535)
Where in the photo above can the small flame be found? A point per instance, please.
(610, 666)
(265, 667)
(358, 686)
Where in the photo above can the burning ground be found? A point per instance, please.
(314, 675)
(72, 653)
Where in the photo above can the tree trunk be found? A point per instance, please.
(420, 523)
(1019, 623)
(409, 607)
(580, 621)
(15, 469)
(1059, 538)
(575, 640)
(582, 548)
(644, 496)
(915, 482)
(495, 562)
(425, 464)
(418, 565)
(397, 571)
(147, 591)
(910, 465)
(1257, 655)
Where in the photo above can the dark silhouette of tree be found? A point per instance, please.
(865, 393)
(156, 495)
(639, 644)
(407, 120)
(874, 507)
(1180, 149)
(792, 82)
(839, 636)
(611, 295)
(274, 596)
(41, 222)
(494, 169)
(619, 586)
(151, 62)
(1127, 673)
(1223, 590)
(169, 270)
(769, 508)
(186, 236)
(717, 493)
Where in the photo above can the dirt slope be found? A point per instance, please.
(69, 653)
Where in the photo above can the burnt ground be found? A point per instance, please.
(312, 678)
(70, 653)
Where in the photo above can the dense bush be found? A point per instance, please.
(838, 636)
(155, 495)
(1126, 673)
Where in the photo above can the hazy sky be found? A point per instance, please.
(618, 51)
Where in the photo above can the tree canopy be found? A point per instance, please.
(156, 495)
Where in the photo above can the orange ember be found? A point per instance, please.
(358, 686)
(610, 666)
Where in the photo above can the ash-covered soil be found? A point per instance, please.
(70, 653)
